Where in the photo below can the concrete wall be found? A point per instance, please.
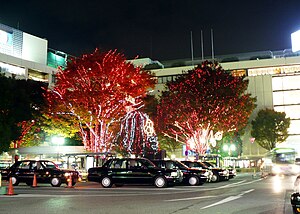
(34, 49)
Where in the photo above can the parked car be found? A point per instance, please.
(191, 176)
(295, 202)
(295, 196)
(45, 171)
(82, 174)
(220, 174)
(121, 171)
(4, 166)
(199, 165)
(232, 172)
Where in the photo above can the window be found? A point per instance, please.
(118, 164)
(132, 164)
(165, 79)
(49, 165)
(24, 165)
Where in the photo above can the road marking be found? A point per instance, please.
(194, 198)
(231, 198)
(156, 191)
(239, 182)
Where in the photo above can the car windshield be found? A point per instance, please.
(181, 165)
(195, 164)
(209, 164)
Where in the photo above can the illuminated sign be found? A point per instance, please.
(295, 37)
(273, 70)
(5, 38)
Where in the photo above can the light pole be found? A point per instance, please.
(229, 148)
(57, 140)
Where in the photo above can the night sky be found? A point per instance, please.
(159, 29)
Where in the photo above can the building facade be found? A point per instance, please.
(273, 80)
(273, 76)
(25, 56)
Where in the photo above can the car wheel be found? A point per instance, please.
(215, 178)
(14, 180)
(55, 182)
(193, 181)
(160, 182)
(106, 182)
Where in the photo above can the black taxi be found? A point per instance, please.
(121, 171)
(191, 176)
(46, 172)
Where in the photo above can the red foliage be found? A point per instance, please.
(206, 99)
(94, 89)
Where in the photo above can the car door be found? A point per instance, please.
(138, 172)
(24, 171)
(43, 175)
(117, 169)
(185, 170)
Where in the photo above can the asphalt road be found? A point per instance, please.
(243, 194)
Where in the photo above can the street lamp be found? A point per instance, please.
(57, 140)
(229, 148)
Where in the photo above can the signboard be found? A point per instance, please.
(295, 37)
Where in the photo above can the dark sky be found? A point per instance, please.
(159, 29)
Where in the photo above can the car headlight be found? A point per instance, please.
(226, 172)
(67, 174)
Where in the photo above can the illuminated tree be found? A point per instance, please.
(46, 125)
(202, 104)
(168, 144)
(137, 135)
(95, 89)
(270, 128)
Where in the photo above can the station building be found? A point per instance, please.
(25, 56)
(273, 79)
(274, 76)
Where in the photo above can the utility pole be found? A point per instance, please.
(192, 48)
(201, 40)
(212, 43)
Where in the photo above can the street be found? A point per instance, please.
(244, 194)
